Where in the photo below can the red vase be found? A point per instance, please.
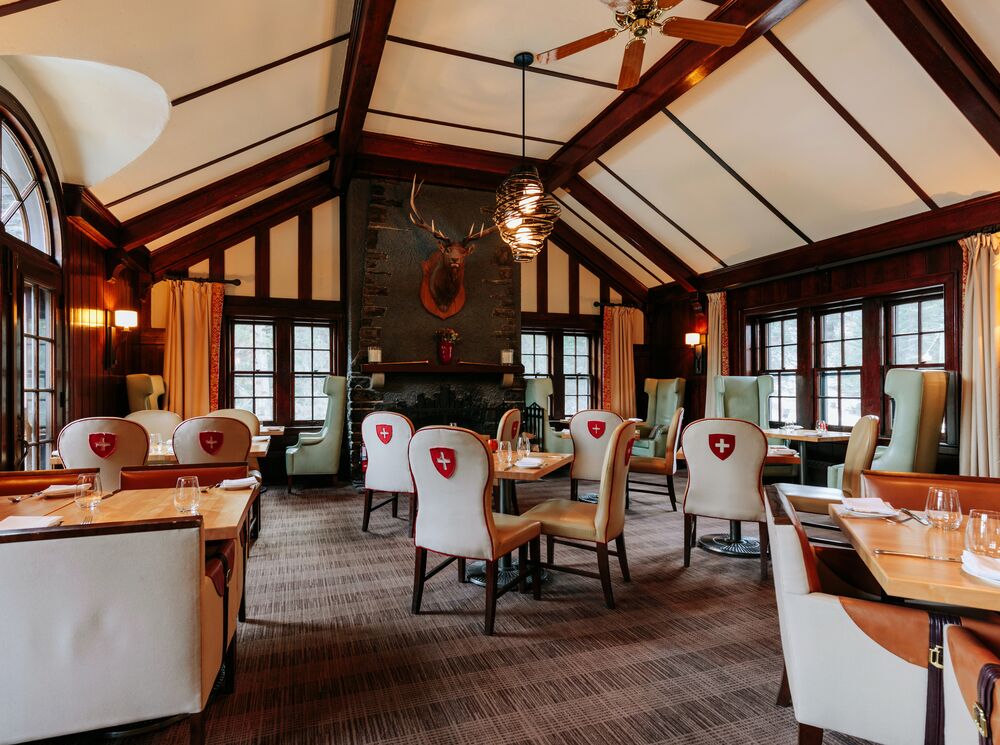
(446, 349)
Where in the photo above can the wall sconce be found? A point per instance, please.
(697, 342)
(124, 320)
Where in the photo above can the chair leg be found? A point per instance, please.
(688, 519)
(784, 692)
(413, 512)
(395, 504)
(419, 574)
(289, 484)
(535, 552)
(622, 556)
(196, 728)
(522, 563)
(491, 597)
(230, 662)
(809, 735)
(605, 569)
(368, 511)
(550, 549)
(628, 496)
(461, 570)
(574, 488)
(671, 492)
(764, 546)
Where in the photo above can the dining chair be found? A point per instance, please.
(20, 483)
(145, 392)
(130, 627)
(211, 439)
(386, 437)
(664, 397)
(507, 431)
(971, 696)
(591, 431)
(247, 417)
(748, 397)
(453, 474)
(318, 453)
(725, 460)
(157, 421)
(664, 465)
(106, 443)
(860, 451)
(567, 522)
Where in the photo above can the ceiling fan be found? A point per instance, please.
(638, 17)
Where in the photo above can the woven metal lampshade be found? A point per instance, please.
(525, 215)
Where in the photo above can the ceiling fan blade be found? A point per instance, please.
(631, 64)
(667, 4)
(576, 46)
(710, 32)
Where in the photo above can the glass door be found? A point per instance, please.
(38, 344)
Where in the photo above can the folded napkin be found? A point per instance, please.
(529, 463)
(248, 483)
(21, 522)
(983, 567)
(59, 490)
(261, 438)
(780, 450)
(869, 506)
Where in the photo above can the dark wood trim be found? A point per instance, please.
(682, 68)
(930, 39)
(573, 285)
(369, 29)
(499, 62)
(631, 231)
(466, 127)
(221, 158)
(853, 123)
(591, 324)
(642, 198)
(192, 248)
(605, 293)
(598, 263)
(248, 307)
(21, 5)
(201, 202)
(257, 70)
(923, 229)
(305, 255)
(217, 265)
(262, 264)
(89, 214)
(119, 528)
(966, 41)
(736, 176)
(542, 280)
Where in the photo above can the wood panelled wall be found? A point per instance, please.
(556, 283)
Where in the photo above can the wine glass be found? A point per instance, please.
(187, 494)
(982, 533)
(88, 494)
(523, 447)
(155, 442)
(943, 508)
(506, 453)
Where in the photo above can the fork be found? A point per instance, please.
(22, 497)
(922, 520)
(206, 489)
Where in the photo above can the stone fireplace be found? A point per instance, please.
(384, 310)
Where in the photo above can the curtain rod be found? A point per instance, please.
(233, 282)
(598, 304)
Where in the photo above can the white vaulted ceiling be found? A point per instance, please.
(751, 161)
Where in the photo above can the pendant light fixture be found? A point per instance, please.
(525, 214)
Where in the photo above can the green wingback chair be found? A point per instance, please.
(318, 453)
(538, 391)
(746, 397)
(919, 397)
(665, 395)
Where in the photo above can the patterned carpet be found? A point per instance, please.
(331, 654)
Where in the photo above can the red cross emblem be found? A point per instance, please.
(444, 461)
(514, 427)
(722, 445)
(384, 432)
(211, 442)
(628, 451)
(596, 428)
(103, 444)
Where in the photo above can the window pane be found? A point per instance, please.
(787, 386)
(583, 365)
(29, 362)
(243, 403)
(787, 412)
(303, 337)
(44, 364)
(263, 335)
(904, 318)
(774, 333)
(852, 353)
(932, 315)
(321, 361)
(831, 326)
(790, 358)
(852, 324)
(242, 386)
(264, 386)
(932, 349)
(15, 225)
(790, 329)
(831, 355)
(905, 350)
(850, 385)
(527, 344)
(34, 210)
(44, 312)
(264, 359)
(264, 409)
(569, 345)
(243, 335)
(321, 337)
(774, 412)
(541, 344)
(774, 358)
(15, 162)
(303, 409)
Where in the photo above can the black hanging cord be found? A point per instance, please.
(524, 132)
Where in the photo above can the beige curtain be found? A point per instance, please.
(191, 344)
(621, 329)
(979, 446)
(717, 343)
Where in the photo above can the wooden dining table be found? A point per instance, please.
(914, 577)
(805, 437)
(164, 454)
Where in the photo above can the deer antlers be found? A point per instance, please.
(440, 236)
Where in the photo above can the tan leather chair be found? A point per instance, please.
(453, 473)
(247, 417)
(211, 439)
(157, 421)
(567, 522)
(910, 489)
(145, 391)
(591, 431)
(386, 437)
(665, 466)
(110, 647)
(107, 443)
(970, 717)
(725, 461)
(510, 426)
(15, 483)
(860, 451)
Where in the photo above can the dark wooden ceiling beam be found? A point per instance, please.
(369, 29)
(598, 263)
(633, 233)
(686, 65)
(927, 30)
(922, 229)
(89, 214)
(19, 6)
(196, 246)
(204, 201)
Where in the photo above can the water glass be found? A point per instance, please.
(506, 453)
(88, 494)
(943, 508)
(982, 533)
(523, 447)
(155, 442)
(187, 494)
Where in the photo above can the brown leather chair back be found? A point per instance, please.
(164, 477)
(910, 489)
(860, 452)
(13, 483)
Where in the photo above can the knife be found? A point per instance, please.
(887, 552)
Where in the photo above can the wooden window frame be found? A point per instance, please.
(555, 330)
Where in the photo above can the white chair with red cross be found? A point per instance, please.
(591, 431)
(211, 439)
(725, 460)
(107, 443)
(386, 437)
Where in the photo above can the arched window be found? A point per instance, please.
(24, 211)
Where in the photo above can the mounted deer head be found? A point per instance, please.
(442, 290)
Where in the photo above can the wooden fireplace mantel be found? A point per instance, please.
(378, 370)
